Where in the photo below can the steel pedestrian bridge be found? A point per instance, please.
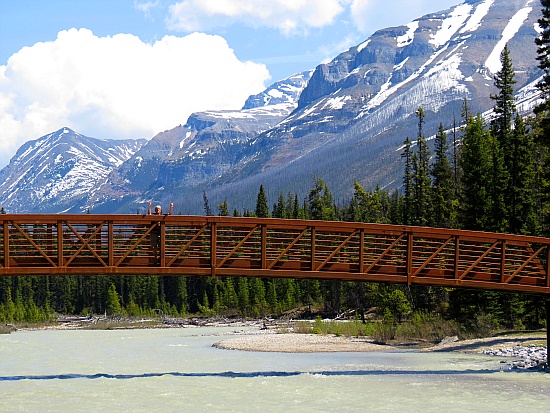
(90, 244)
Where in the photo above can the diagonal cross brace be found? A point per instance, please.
(85, 244)
(34, 244)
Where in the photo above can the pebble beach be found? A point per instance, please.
(517, 352)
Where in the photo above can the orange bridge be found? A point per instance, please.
(226, 246)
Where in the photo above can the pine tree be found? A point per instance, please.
(243, 295)
(501, 128)
(505, 107)
(543, 57)
(207, 209)
(408, 194)
(262, 207)
(224, 209)
(475, 163)
(498, 185)
(279, 209)
(421, 178)
(295, 208)
(442, 187)
(321, 204)
(543, 115)
(519, 195)
(113, 302)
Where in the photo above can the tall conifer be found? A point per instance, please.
(505, 106)
(520, 192)
(408, 194)
(262, 207)
(442, 187)
(475, 163)
(421, 178)
(543, 113)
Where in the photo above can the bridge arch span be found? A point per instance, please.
(48, 244)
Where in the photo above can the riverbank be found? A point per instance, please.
(518, 351)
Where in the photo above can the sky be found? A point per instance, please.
(117, 69)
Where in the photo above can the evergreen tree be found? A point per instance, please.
(224, 209)
(421, 178)
(279, 209)
(475, 162)
(520, 196)
(321, 204)
(543, 116)
(207, 209)
(498, 185)
(113, 302)
(262, 207)
(442, 186)
(505, 107)
(408, 194)
(243, 295)
(543, 57)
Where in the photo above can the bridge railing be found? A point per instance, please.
(226, 246)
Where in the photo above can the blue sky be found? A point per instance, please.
(133, 68)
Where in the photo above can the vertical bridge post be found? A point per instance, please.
(547, 332)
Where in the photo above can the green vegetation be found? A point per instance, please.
(421, 327)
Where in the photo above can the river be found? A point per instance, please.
(178, 370)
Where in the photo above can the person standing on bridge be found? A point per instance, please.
(155, 231)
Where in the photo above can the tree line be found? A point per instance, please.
(489, 174)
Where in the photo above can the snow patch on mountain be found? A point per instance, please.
(187, 136)
(386, 91)
(493, 61)
(363, 45)
(336, 103)
(450, 25)
(475, 21)
(400, 65)
(408, 37)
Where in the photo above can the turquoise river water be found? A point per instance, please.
(178, 370)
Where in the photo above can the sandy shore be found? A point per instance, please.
(299, 343)
(305, 343)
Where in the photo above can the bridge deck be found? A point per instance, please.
(210, 246)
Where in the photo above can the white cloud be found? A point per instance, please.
(147, 6)
(118, 87)
(288, 16)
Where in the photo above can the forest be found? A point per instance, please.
(488, 174)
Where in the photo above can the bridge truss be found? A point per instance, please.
(226, 246)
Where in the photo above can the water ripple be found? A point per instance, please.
(232, 374)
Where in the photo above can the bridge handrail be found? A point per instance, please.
(250, 222)
(271, 247)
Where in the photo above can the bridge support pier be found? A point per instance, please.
(547, 332)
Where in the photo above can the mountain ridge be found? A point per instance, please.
(343, 121)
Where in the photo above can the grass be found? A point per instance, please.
(338, 328)
(421, 327)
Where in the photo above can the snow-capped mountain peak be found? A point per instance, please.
(58, 171)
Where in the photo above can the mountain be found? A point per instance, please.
(344, 121)
(357, 110)
(59, 171)
(187, 158)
